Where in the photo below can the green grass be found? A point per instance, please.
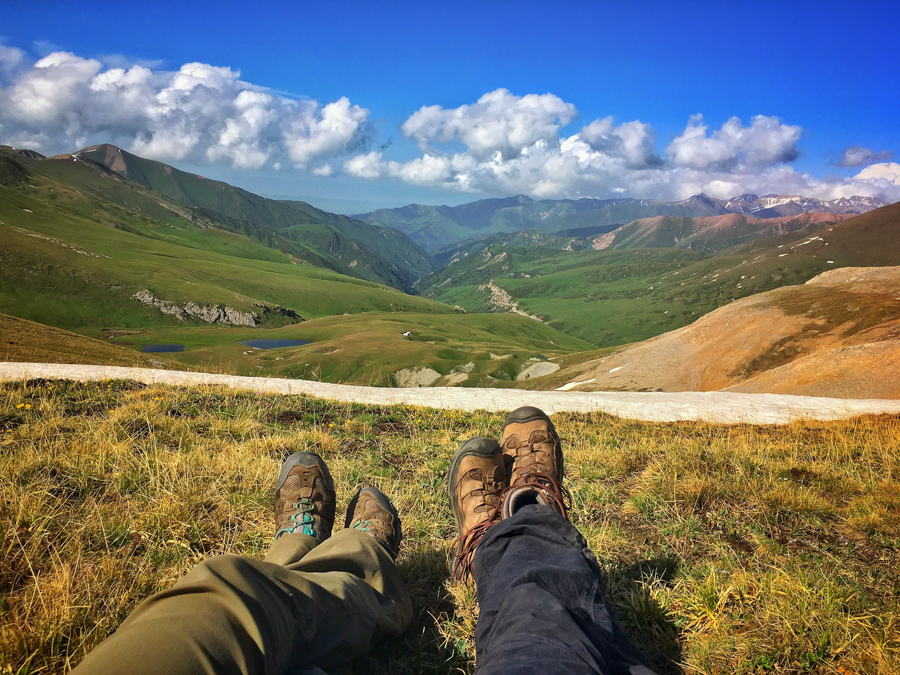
(73, 260)
(611, 298)
(726, 549)
(368, 348)
(329, 240)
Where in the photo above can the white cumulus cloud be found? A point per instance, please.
(497, 122)
(506, 144)
(199, 112)
(765, 142)
(888, 172)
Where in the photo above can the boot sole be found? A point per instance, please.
(384, 502)
(479, 446)
(530, 414)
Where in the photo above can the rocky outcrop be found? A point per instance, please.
(219, 313)
(416, 377)
(503, 300)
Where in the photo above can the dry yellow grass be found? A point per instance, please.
(726, 549)
(26, 341)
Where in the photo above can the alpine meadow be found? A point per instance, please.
(450, 338)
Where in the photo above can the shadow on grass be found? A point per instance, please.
(645, 621)
(422, 649)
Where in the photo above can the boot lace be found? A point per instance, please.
(305, 525)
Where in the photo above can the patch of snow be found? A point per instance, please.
(572, 385)
(538, 369)
(616, 368)
(720, 407)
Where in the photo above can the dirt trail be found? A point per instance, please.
(503, 300)
(721, 407)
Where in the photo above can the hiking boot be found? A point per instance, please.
(476, 479)
(371, 511)
(534, 460)
(304, 497)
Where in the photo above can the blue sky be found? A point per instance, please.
(824, 76)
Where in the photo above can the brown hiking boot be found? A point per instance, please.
(304, 497)
(371, 511)
(534, 460)
(475, 482)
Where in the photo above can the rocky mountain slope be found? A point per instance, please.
(838, 335)
(709, 233)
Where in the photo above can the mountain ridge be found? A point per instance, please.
(345, 245)
(436, 227)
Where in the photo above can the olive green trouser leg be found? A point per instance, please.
(305, 606)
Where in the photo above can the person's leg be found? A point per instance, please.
(306, 605)
(542, 604)
(540, 590)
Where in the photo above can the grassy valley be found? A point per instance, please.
(369, 348)
(613, 297)
(80, 241)
(82, 238)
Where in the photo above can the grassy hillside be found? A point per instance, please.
(614, 297)
(726, 549)
(78, 241)
(341, 243)
(27, 341)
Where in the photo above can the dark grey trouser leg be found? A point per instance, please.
(543, 608)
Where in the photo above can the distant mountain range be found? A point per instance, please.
(707, 234)
(436, 227)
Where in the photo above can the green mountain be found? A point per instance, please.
(349, 246)
(79, 241)
(87, 250)
(567, 240)
(611, 297)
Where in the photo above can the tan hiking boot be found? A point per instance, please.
(304, 497)
(534, 460)
(476, 479)
(371, 511)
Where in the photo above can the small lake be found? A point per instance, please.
(156, 349)
(273, 344)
